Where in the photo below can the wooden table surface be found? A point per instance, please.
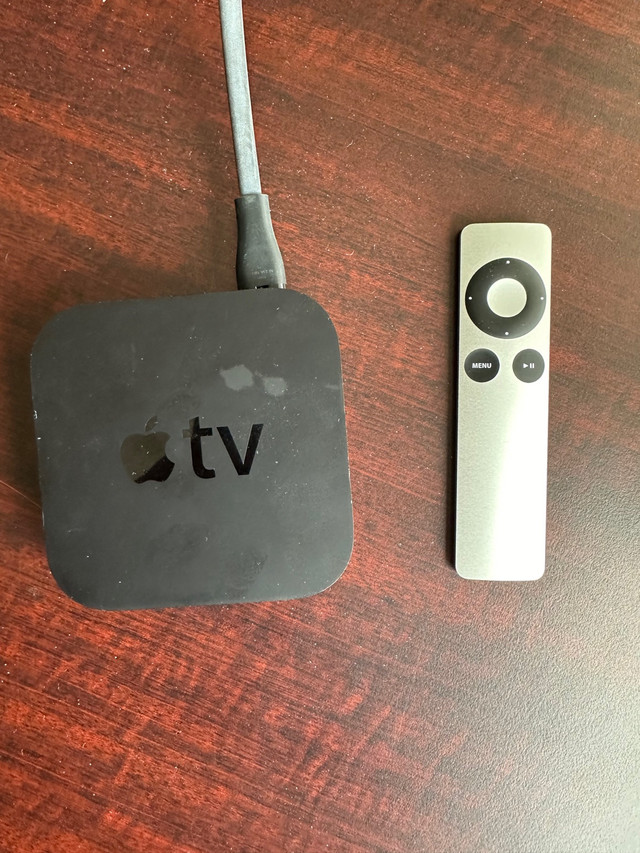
(405, 710)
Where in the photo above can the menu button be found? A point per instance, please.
(481, 365)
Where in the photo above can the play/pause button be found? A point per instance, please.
(528, 365)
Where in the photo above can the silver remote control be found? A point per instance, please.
(503, 401)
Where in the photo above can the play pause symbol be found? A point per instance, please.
(528, 365)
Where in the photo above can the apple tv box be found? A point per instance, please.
(192, 450)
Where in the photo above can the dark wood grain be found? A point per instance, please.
(404, 710)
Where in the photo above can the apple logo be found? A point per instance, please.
(144, 456)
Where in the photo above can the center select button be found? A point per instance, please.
(481, 365)
(507, 297)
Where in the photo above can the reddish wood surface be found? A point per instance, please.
(404, 710)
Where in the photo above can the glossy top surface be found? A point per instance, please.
(192, 450)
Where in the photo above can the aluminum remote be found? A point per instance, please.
(503, 401)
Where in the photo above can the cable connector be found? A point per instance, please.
(258, 260)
